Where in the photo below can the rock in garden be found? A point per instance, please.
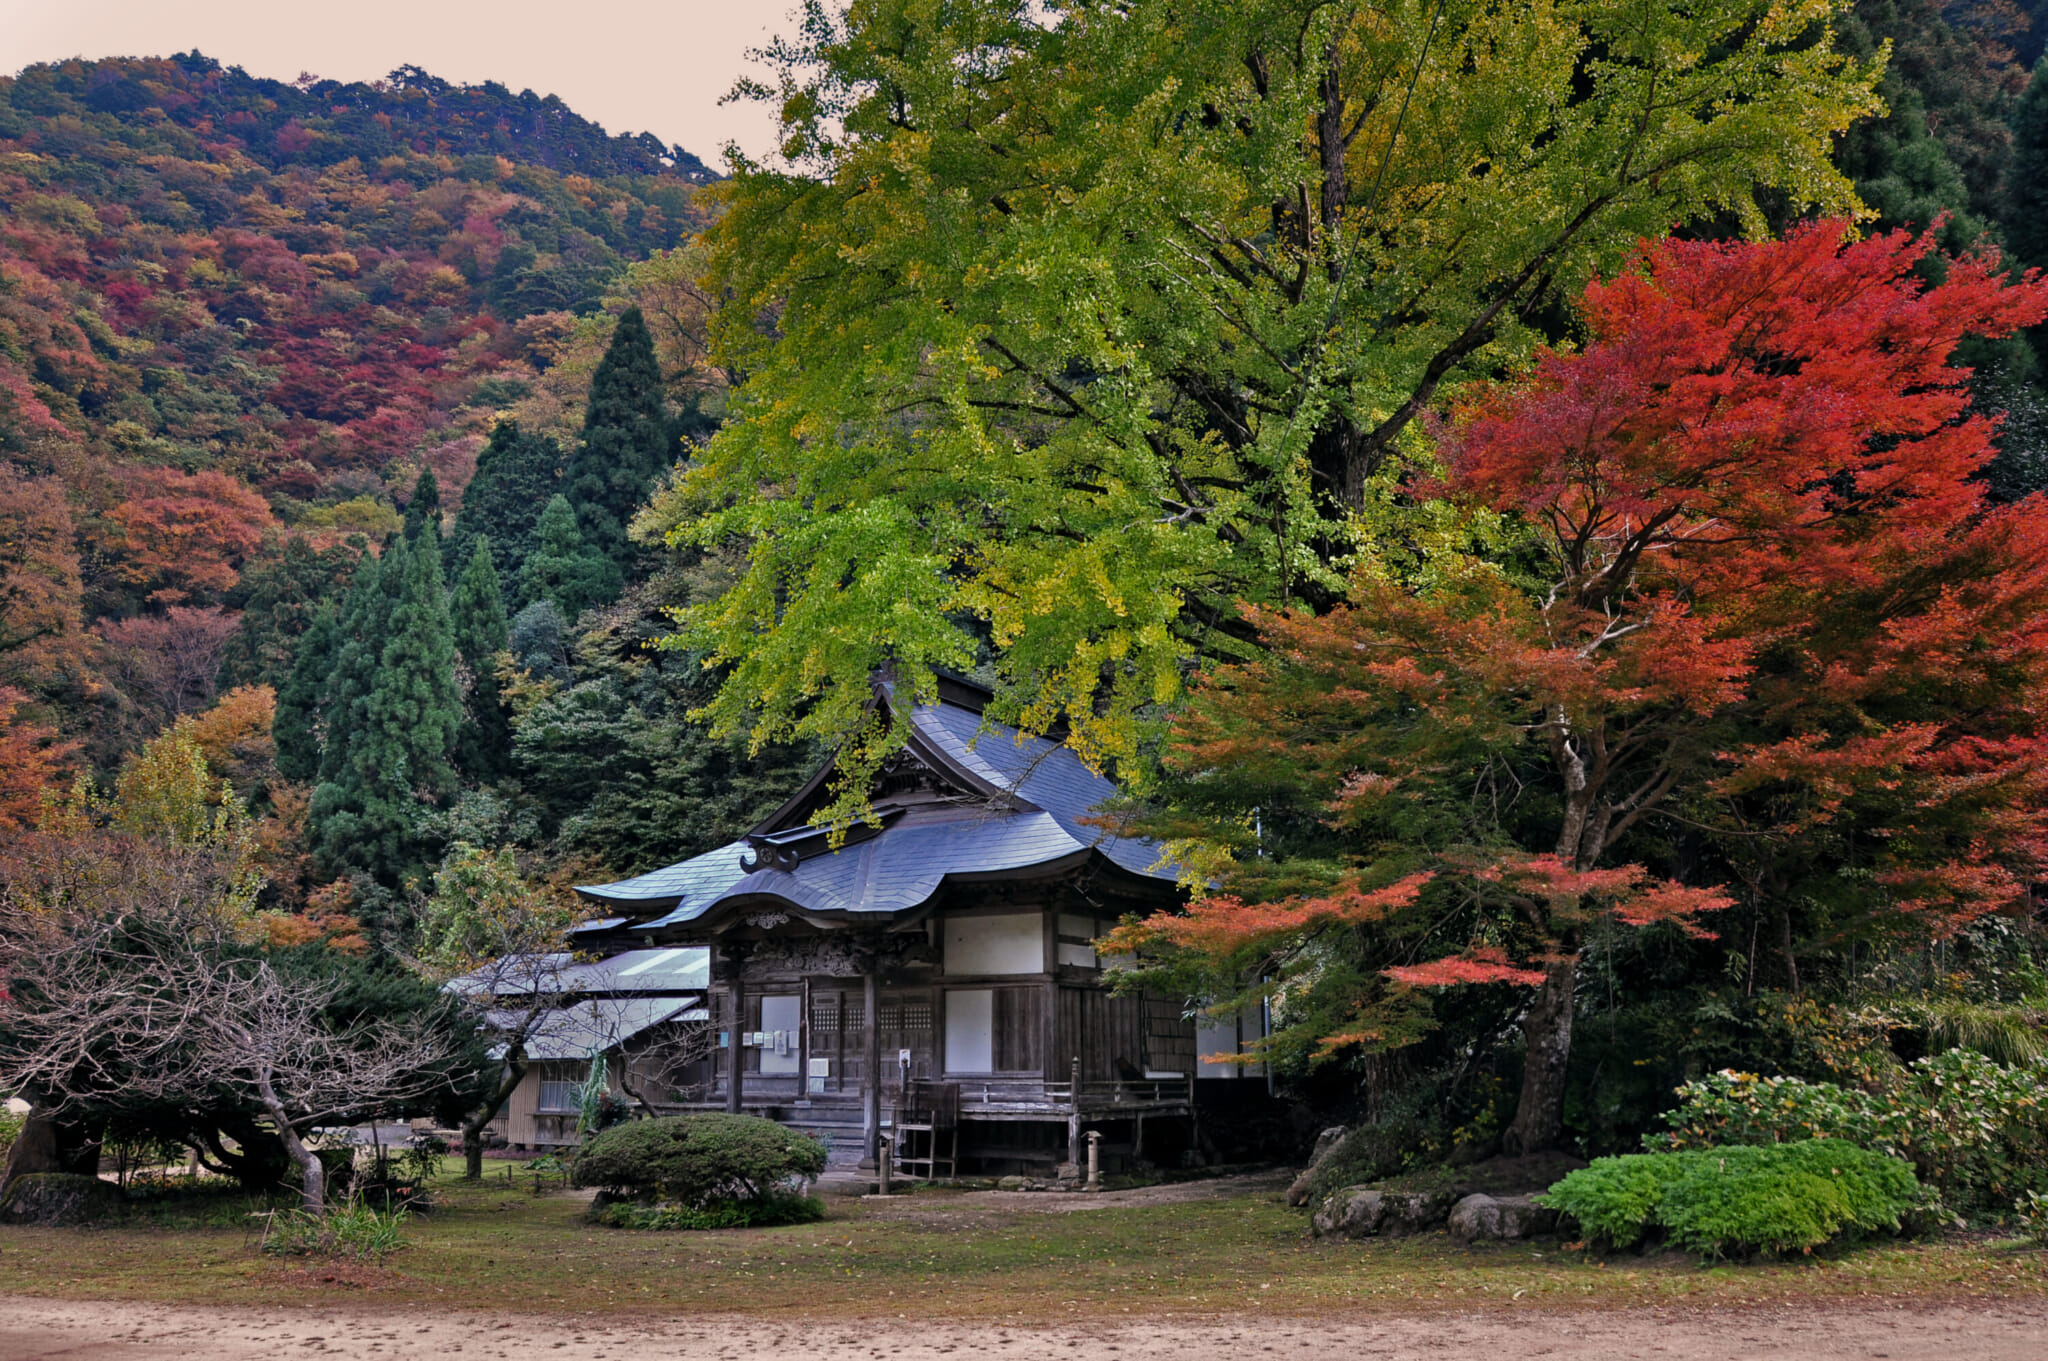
(1298, 1193)
(57, 1199)
(1354, 1212)
(1500, 1217)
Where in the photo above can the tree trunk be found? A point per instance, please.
(312, 1176)
(1547, 1028)
(509, 1078)
(47, 1144)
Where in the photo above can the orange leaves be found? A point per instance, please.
(1483, 964)
(1631, 893)
(185, 534)
(32, 764)
(1218, 925)
(1736, 400)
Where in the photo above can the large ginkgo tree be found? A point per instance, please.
(1060, 329)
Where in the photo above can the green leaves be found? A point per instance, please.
(1061, 338)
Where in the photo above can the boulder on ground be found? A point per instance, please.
(1417, 1211)
(1500, 1218)
(1354, 1212)
(58, 1200)
(1298, 1193)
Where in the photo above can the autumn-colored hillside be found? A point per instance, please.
(236, 313)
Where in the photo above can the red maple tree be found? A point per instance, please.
(1755, 570)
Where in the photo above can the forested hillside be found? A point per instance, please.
(246, 329)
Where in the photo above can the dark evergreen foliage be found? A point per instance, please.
(296, 728)
(367, 815)
(626, 441)
(423, 511)
(2026, 210)
(618, 768)
(564, 567)
(279, 597)
(483, 747)
(516, 474)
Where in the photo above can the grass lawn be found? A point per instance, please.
(941, 1254)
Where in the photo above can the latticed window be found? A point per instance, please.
(825, 1015)
(556, 1097)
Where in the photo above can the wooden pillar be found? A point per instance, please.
(736, 1063)
(871, 1081)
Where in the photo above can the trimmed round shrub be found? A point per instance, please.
(697, 1161)
(1739, 1200)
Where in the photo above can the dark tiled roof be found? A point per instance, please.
(1035, 823)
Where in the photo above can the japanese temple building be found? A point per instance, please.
(941, 960)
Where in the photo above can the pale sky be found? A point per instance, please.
(654, 66)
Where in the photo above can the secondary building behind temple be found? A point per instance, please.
(937, 970)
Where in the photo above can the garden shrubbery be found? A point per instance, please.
(704, 1168)
(351, 1229)
(1739, 1200)
(1975, 1131)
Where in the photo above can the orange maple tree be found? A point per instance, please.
(1755, 575)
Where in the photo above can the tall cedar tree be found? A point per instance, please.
(397, 760)
(296, 729)
(625, 442)
(2026, 219)
(476, 614)
(1761, 583)
(423, 511)
(566, 568)
(516, 474)
(359, 643)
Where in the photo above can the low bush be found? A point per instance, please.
(1974, 1130)
(1740, 1200)
(697, 1161)
(351, 1229)
(725, 1214)
(10, 1130)
(2030, 1214)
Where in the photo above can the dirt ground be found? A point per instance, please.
(31, 1330)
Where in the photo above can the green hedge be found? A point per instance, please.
(697, 1161)
(1736, 1201)
(726, 1214)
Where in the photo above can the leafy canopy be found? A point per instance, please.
(1067, 327)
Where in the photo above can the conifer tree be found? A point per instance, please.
(625, 441)
(424, 509)
(515, 475)
(2026, 217)
(296, 729)
(564, 567)
(477, 616)
(359, 643)
(366, 815)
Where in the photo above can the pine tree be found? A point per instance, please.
(296, 728)
(424, 509)
(2026, 214)
(564, 568)
(515, 475)
(625, 442)
(477, 616)
(359, 643)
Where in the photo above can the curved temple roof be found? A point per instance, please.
(990, 803)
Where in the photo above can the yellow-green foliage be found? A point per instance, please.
(1735, 1201)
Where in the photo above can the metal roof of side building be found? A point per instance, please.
(972, 798)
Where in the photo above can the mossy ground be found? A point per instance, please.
(949, 1255)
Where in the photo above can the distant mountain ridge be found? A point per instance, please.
(322, 122)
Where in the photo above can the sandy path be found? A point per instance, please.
(31, 1330)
